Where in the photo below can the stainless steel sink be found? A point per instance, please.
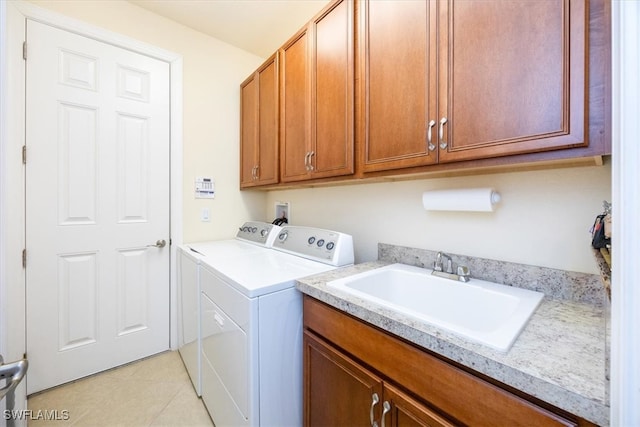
(481, 311)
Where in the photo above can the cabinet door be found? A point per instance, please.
(512, 76)
(295, 104)
(333, 91)
(267, 171)
(248, 130)
(337, 391)
(397, 83)
(401, 410)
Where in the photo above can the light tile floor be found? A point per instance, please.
(151, 392)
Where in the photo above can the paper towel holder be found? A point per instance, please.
(465, 200)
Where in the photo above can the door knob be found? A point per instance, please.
(159, 244)
(13, 373)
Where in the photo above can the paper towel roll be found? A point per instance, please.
(469, 200)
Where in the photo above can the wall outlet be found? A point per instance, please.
(283, 210)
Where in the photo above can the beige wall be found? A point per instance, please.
(212, 71)
(543, 218)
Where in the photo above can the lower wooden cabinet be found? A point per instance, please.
(339, 392)
(358, 375)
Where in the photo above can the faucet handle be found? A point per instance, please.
(437, 264)
(463, 273)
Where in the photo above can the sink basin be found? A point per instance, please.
(480, 311)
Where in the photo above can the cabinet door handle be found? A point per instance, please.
(386, 407)
(443, 143)
(430, 126)
(374, 401)
(307, 157)
(311, 154)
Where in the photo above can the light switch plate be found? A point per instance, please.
(205, 215)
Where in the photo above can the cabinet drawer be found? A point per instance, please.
(455, 392)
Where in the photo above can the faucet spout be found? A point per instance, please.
(438, 266)
(462, 273)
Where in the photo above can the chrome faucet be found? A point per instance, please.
(462, 273)
(437, 266)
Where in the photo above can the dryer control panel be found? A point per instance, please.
(326, 246)
(260, 233)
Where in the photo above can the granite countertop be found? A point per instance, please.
(559, 357)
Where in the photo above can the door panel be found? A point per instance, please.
(295, 115)
(268, 122)
(97, 199)
(248, 130)
(398, 84)
(516, 87)
(337, 391)
(333, 92)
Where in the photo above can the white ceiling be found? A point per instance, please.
(257, 26)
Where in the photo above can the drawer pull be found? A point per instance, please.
(386, 407)
(374, 401)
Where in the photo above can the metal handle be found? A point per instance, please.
(159, 244)
(311, 154)
(374, 401)
(306, 160)
(430, 126)
(443, 143)
(255, 172)
(386, 407)
(14, 372)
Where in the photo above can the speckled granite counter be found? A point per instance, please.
(559, 357)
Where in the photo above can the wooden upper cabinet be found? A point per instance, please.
(397, 83)
(259, 126)
(477, 79)
(512, 77)
(295, 107)
(317, 97)
(248, 130)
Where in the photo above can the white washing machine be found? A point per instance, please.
(252, 327)
(252, 237)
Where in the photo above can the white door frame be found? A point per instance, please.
(13, 15)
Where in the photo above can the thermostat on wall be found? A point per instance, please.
(205, 188)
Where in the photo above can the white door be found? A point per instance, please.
(97, 184)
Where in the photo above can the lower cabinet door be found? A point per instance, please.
(340, 392)
(337, 391)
